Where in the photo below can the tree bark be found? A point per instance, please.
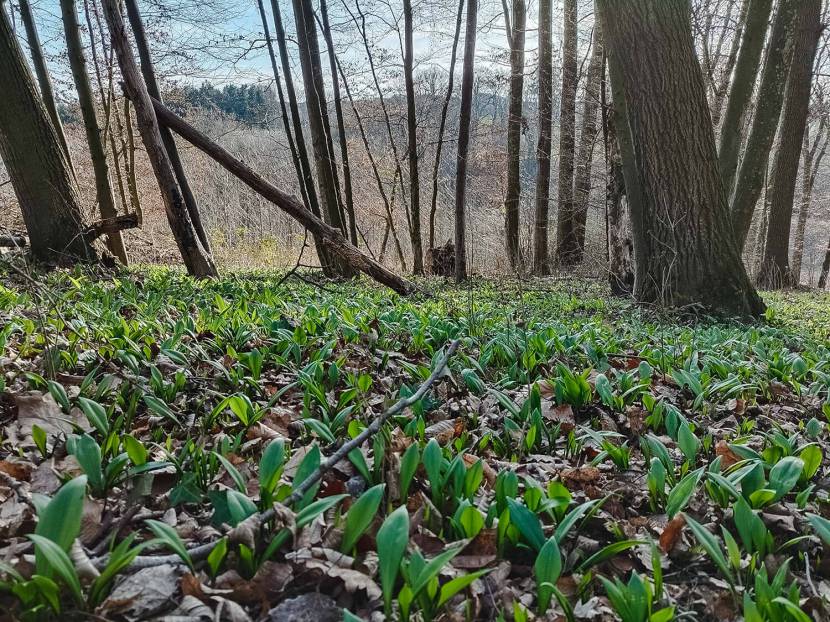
(721, 87)
(149, 79)
(47, 93)
(775, 267)
(86, 101)
(317, 114)
(412, 140)
(541, 259)
(442, 124)
(620, 245)
(197, 259)
(466, 106)
(332, 237)
(685, 248)
(759, 144)
(585, 152)
(38, 168)
(812, 158)
(513, 193)
(825, 268)
(566, 240)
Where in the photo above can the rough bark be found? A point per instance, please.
(775, 267)
(513, 192)
(721, 87)
(825, 268)
(566, 240)
(38, 168)
(86, 101)
(442, 124)
(466, 106)
(684, 245)
(197, 259)
(740, 93)
(620, 245)
(47, 93)
(541, 259)
(317, 114)
(750, 178)
(585, 151)
(812, 158)
(412, 142)
(332, 237)
(149, 79)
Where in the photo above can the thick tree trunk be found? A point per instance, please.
(812, 161)
(47, 93)
(513, 192)
(317, 115)
(149, 79)
(442, 124)
(585, 152)
(684, 244)
(332, 237)
(341, 126)
(620, 245)
(412, 142)
(566, 239)
(466, 107)
(775, 267)
(750, 178)
(38, 168)
(86, 101)
(541, 260)
(196, 258)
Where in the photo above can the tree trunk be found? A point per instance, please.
(685, 248)
(332, 237)
(566, 240)
(37, 166)
(513, 193)
(825, 268)
(759, 144)
(541, 260)
(317, 109)
(585, 153)
(43, 79)
(196, 258)
(442, 123)
(412, 140)
(812, 160)
(341, 126)
(86, 101)
(620, 246)
(775, 267)
(721, 88)
(466, 106)
(740, 93)
(149, 78)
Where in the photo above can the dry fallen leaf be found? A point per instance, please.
(671, 534)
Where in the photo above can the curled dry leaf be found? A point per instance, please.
(671, 534)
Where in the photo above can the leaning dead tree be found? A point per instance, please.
(196, 257)
(332, 237)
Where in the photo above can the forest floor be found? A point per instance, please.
(577, 458)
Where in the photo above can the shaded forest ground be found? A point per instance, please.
(574, 439)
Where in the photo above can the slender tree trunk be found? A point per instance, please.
(168, 141)
(442, 123)
(341, 126)
(466, 107)
(77, 61)
(812, 161)
(775, 268)
(722, 86)
(513, 195)
(684, 245)
(585, 152)
(759, 144)
(541, 260)
(197, 259)
(412, 140)
(825, 268)
(38, 168)
(317, 114)
(44, 81)
(566, 240)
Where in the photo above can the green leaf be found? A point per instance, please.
(234, 473)
(360, 516)
(59, 561)
(313, 510)
(710, 544)
(95, 413)
(454, 586)
(811, 455)
(793, 609)
(431, 569)
(433, 458)
(607, 552)
(821, 526)
(88, 454)
(547, 568)
(135, 450)
(409, 464)
(271, 465)
(392, 539)
(785, 475)
(308, 465)
(527, 523)
(60, 519)
(682, 492)
(217, 556)
(160, 408)
(171, 539)
(688, 442)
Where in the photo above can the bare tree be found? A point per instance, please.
(541, 260)
(812, 154)
(566, 239)
(412, 142)
(513, 192)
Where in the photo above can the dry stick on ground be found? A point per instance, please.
(333, 239)
(200, 552)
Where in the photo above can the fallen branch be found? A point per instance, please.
(200, 552)
(331, 237)
(13, 241)
(108, 226)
